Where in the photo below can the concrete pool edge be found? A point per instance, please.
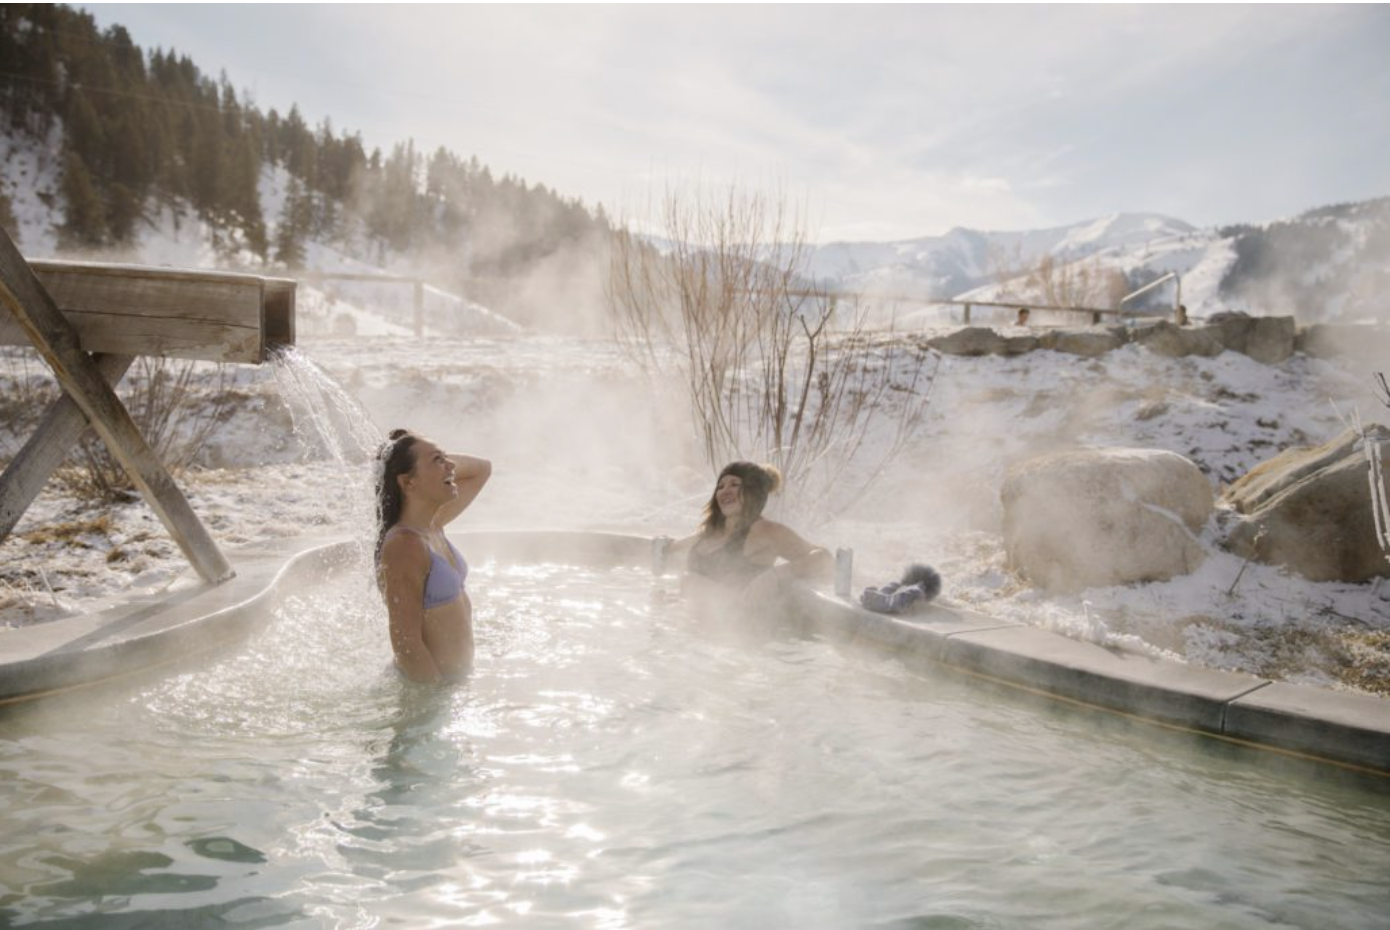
(1348, 729)
(1344, 728)
(144, 633)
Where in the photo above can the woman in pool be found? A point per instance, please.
(419, 572)
(738, 554)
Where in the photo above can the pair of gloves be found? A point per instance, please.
(920, 584)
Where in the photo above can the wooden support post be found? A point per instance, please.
(967, 313)
(57, 341)
(57, 433)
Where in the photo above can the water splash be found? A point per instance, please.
(332, 423)
(323, 414)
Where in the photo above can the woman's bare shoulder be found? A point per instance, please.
(764, 527)
(404, 549)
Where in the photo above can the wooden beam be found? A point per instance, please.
(139, 310)
(278, 318)
(57, 341)
(57, 433)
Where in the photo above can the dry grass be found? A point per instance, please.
(71, 531)
(1368, 665)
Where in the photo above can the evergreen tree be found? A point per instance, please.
(137, 127)
(295, 219)
(84, 223)
(123, 211)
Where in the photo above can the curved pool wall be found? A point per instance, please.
(1350, 730)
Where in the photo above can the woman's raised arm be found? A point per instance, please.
(470, 474)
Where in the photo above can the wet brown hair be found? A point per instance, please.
(758, 481)
(396, 457)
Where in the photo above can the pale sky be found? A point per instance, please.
(880, 122)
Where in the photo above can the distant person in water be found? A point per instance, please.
(739, 557)
(420, 490)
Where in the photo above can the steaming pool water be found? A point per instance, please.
(609, 765)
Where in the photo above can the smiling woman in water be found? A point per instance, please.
(739, 558)
(421, 575)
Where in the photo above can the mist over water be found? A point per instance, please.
(583, 438)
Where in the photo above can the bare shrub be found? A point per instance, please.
(175, 409)
(27, 387)
(775, 368)
(1380, 498)
(1085, 284)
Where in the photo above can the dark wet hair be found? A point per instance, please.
(396, 457)
(758, 481)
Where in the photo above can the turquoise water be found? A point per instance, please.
(610, 766)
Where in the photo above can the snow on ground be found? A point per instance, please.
(29, 176)
(582, 440)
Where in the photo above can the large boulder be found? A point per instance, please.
(1090, 342)
(1367, 343)
(982, 340)
(1164, 338)
(1267, 339)
(1309, 510)
(1098, 517)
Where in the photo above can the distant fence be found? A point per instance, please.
(1022, 309)
(318, 277)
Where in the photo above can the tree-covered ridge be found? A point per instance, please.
(1329, 261)
(142, 131)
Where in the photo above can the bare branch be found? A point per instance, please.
(727, 297)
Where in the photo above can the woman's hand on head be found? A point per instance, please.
(470, 474)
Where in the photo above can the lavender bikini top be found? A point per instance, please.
(444, 584)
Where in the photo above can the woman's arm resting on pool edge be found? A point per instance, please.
(405, 564)
(801, 559)
(680, 549)
(470, 474)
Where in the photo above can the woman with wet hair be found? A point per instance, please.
(420, 490)
(739, 551)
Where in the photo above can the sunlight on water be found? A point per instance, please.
(608, 765)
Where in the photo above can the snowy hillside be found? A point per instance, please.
(173, 235)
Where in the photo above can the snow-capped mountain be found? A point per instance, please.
(1329, 263)
(963, 259)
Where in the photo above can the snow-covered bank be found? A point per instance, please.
(582, 441)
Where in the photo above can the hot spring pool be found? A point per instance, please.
(609, 766)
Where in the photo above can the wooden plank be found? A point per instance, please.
(62, 426)
(58, 342)
(140, 310)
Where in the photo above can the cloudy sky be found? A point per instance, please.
(881, 123)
